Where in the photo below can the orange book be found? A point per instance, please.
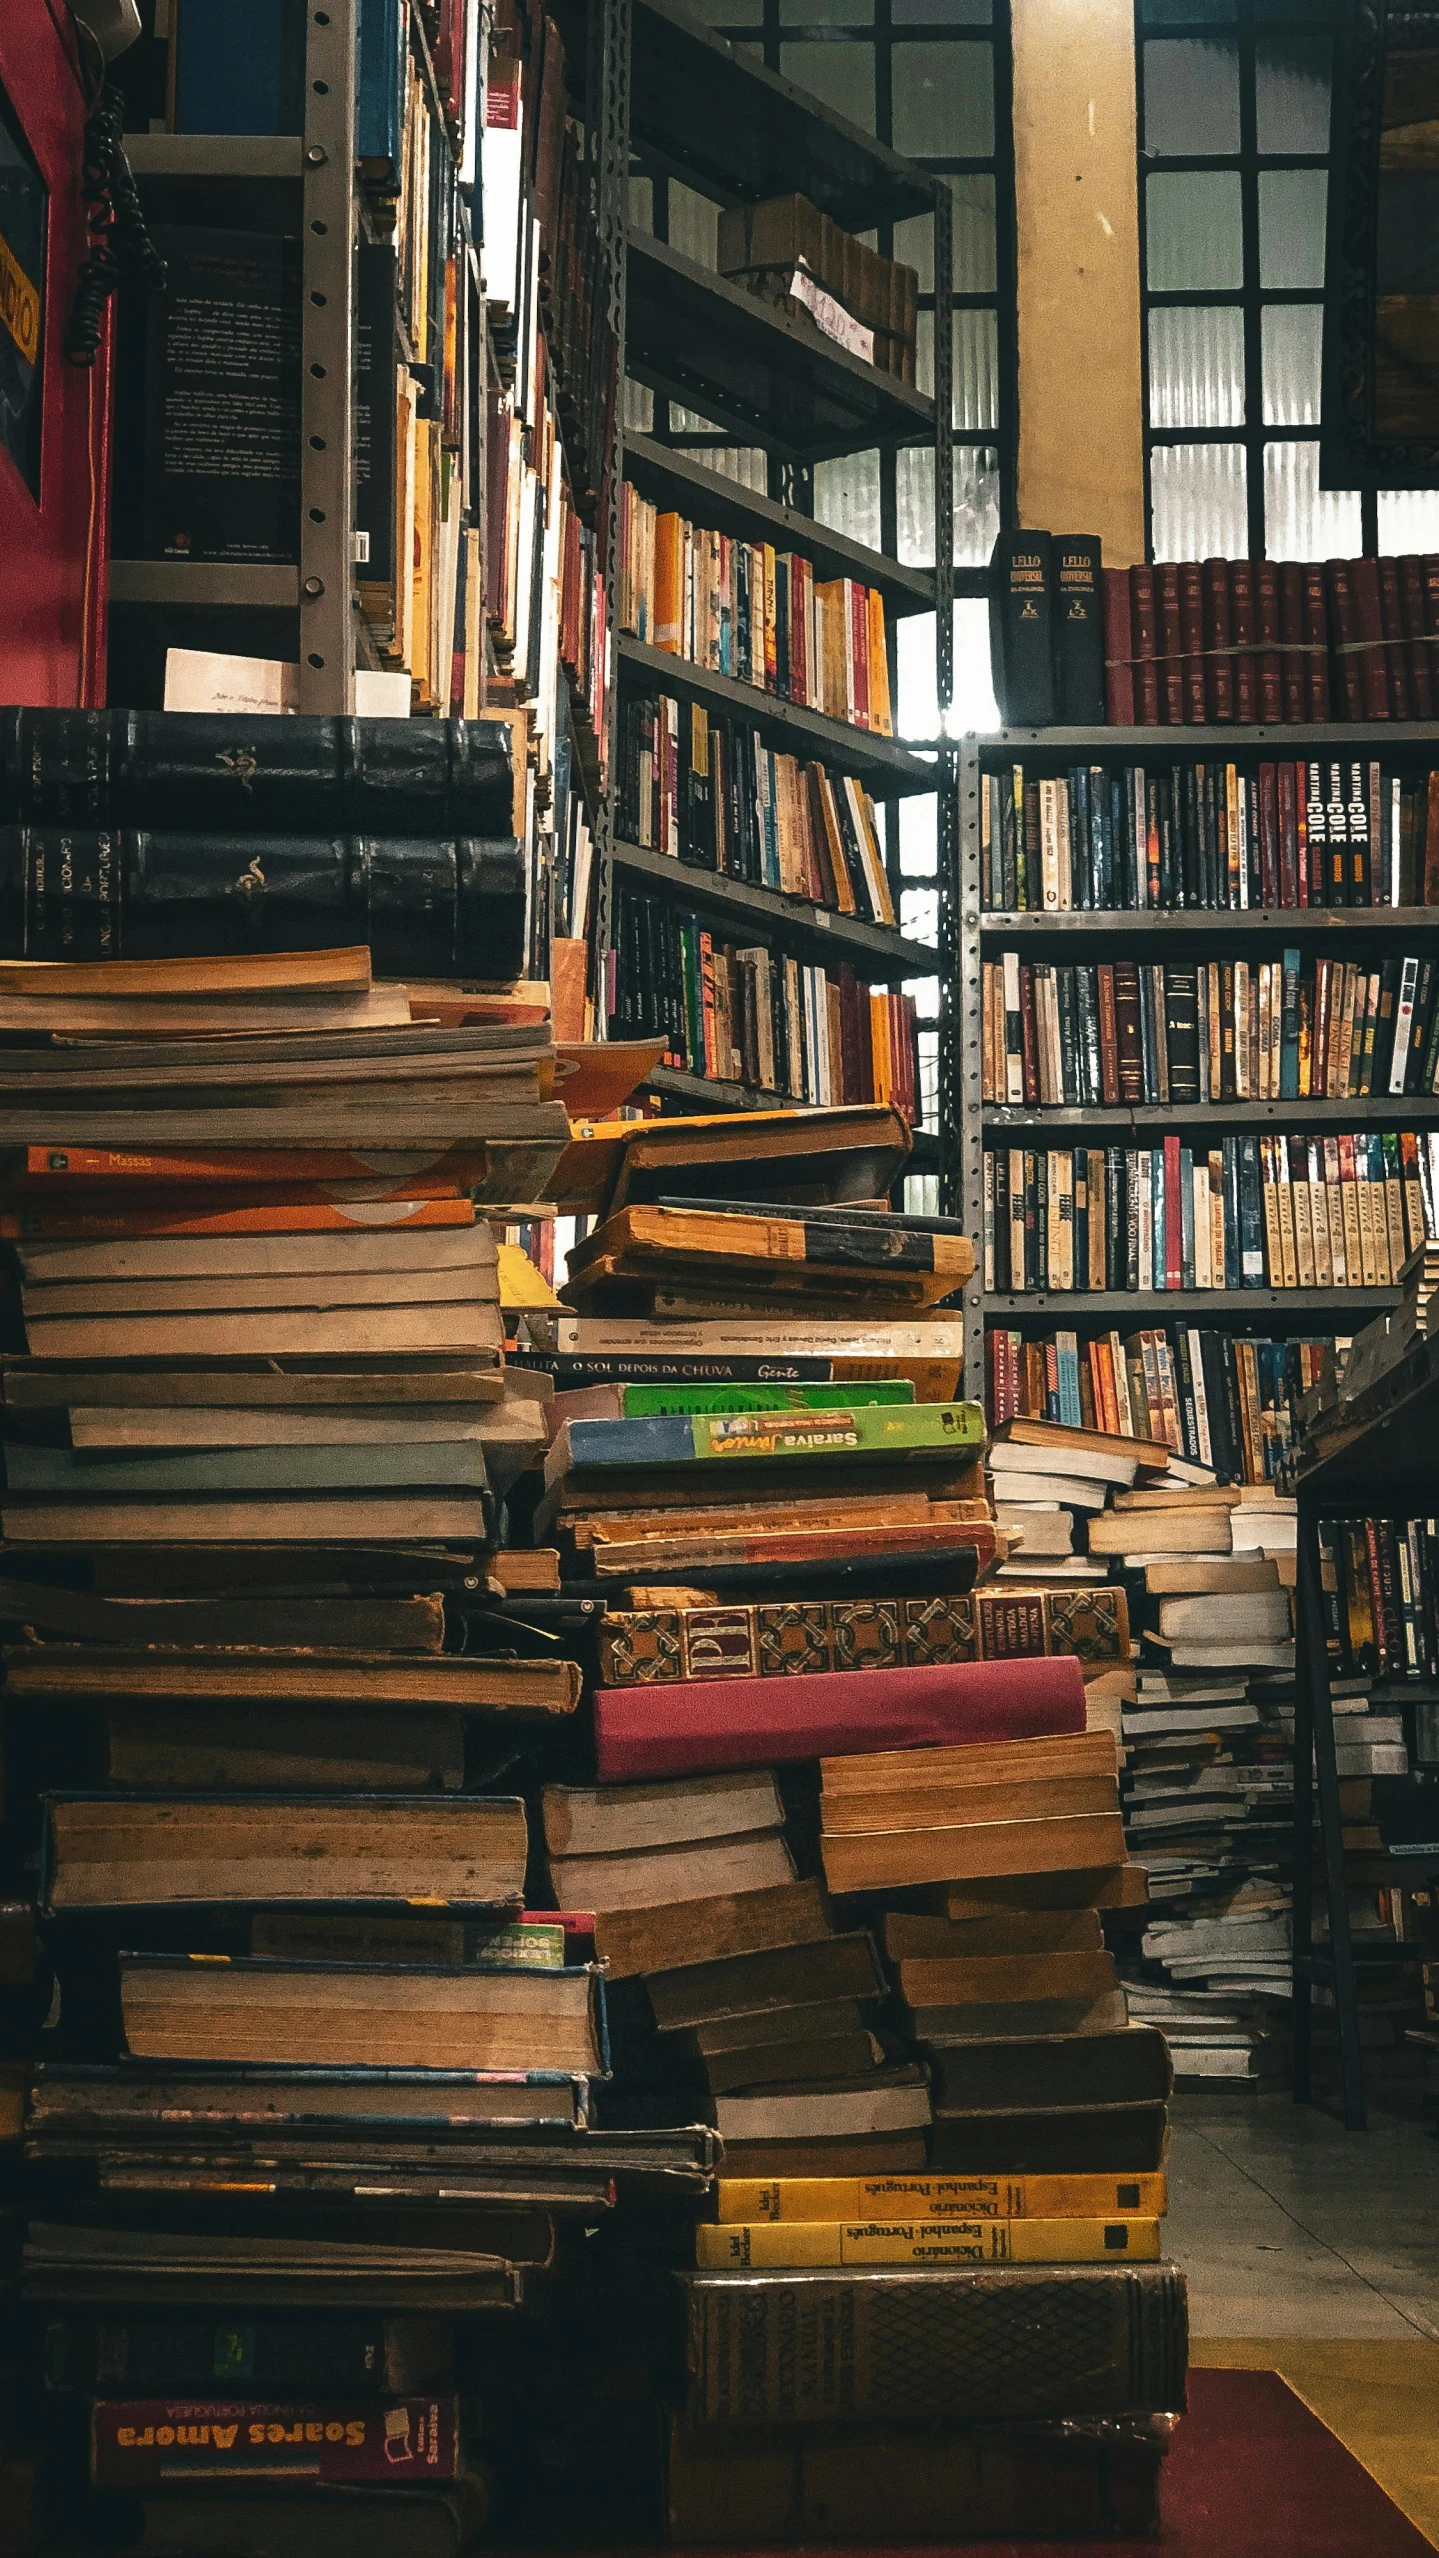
(392, 1174)
(668, 599)
(126, 1214)
(880, 715)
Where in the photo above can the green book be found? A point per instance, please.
(776, 1395)
(735, 1439)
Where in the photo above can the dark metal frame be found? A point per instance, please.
(1351, 455)
(1251, 24)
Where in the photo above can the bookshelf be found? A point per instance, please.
(1188, 937)
(697, 109)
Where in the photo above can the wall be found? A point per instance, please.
(1081, 460)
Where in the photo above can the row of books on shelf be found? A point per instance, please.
(1225, 1030)
(752, 1015)
(710, 793)
(1225, 1403)
(1296, 640)
(1250, 1212)
(745, 610)
(1208, 835)
(1379, 1585)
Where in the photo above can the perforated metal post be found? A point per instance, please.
(327, 351)
(968, 1098)
(607, 59)
(951, 1177)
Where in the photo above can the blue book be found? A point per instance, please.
(238, 70)
(1251, 1216)
(1232, 1265)
(1289, 1030)
(1066, 1345)
(380, 83)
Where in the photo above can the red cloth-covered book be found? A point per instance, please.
(697, 1726)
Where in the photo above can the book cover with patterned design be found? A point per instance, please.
(644, 1647)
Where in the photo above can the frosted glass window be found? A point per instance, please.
(744, 463)
(925, 991)
(694, 225)
(825, 13)
(918, 838)
(1408, 520)
(976, 505)
(974, 367)
(1191, 96)
(846, 496)
(642, 204)
(941, 13)
(1199, 501)
(1196, 367)
(921, 1193)
(1291, 339)
(1194, 224)
(1291, 93)
(974, 707)
(639, 408)
(1293, 208)
(1302, 521)
(943, 100)
(919, 914)
(842, 75)
(972, 238)
(928, 1044)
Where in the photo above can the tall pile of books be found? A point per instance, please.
(848, 1847)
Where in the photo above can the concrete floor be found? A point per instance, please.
(1314, 2252)
(1287, 2225)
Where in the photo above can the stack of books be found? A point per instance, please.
(259, 1443)
(851, 1838)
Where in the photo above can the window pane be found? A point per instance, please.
(942, 13)
(1409, 520)
(1302, 521)
(976, 504)
(1196, 368)
(916, 708)
(1191, 96)
(918, 837)
(974, 704)
(1292, 207)
(1194, 221)
(693, 225)
(974, 367)
(1292, 335)
(1291, 93)
(826, 13)
(972, 235)
(919, 914)
(840, 74)
(639, 408)
(744, 463)
(846, 496)
(1200, 507)
(943, 100)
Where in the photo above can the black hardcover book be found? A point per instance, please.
(428, 907)
(139, 2356)
(208, 402)
(195, 771)
(1078, 631)
(1181, 993)
(1021, 629)
(375, 414)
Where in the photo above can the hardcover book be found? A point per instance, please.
(648, 1647)
(150, 2442)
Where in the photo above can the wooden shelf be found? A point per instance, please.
(771, 380)
(888, 769)
(677, 481)
(809, 931)
(1287, 923)
(1380, 1110)
(1237, 1305)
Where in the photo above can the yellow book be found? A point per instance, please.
(880, 716)
(667, 601)
(735, 2245)
(850, 2198)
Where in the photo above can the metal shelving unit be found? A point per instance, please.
(1082, 935)
(696, 108)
